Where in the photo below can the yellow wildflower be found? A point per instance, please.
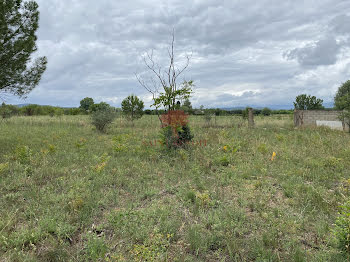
(273, 156)
(225, 148)
(100, 167)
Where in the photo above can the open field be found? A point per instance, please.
(69, 193)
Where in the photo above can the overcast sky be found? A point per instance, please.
(256, 53)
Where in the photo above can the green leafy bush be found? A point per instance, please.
(308, 102)
(266, 111)
(99, 107)
(5, 111)
(102, 118)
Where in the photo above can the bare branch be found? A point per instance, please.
(166, 77)
(143, 83)
(152, 66)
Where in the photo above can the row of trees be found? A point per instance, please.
(7, 111)
(224, 112)
(132, 107)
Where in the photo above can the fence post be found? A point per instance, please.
(296, 117)
(250, 118)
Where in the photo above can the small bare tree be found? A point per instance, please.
(164, 84)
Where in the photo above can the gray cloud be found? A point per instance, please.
(322, 52)
(340, 24)
(243, 52)
(325, 50)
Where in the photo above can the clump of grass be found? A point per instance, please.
(223, 160)
(154, 248)
(342, 228)
(95, 247)
(262, 148)
(4, 167)
(22, 154)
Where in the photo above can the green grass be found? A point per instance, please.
(69, 193)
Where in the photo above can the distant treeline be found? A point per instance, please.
(224, 112)
(39, 110)
(36, 110)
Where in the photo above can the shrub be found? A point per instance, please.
(23, 155)
(245, 113)
(59, 111)
(266, 111)
(5, 111)
(72, 111)
(32, 109)
(175, 130)
(342, 228)
(179, 138)
(132, 107)
(102, 118)
(99, 107)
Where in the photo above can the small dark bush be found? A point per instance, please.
(245, 113)
(266, 111)
(179, 138)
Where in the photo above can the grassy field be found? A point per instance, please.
(69, 193)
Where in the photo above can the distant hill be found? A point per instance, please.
(274, 107)
(22, 105)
